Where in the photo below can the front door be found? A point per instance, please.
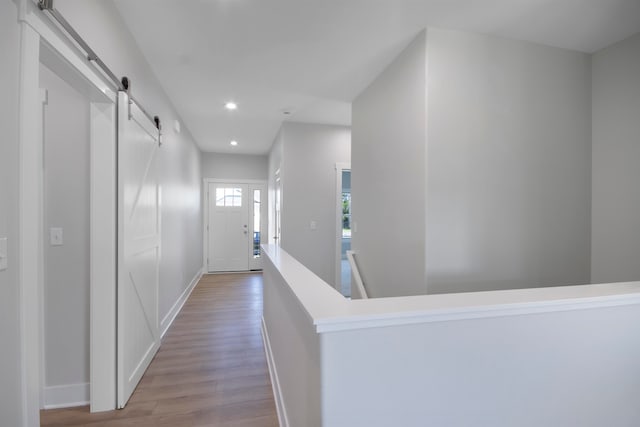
(228, 223)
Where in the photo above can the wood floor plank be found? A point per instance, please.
(210, 370)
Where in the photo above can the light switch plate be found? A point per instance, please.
(55, 236)
(3, 254)
(313, 225)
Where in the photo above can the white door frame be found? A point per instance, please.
(340, 167)
(35, 32)
(277, 208)
(205, 222)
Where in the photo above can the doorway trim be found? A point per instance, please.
(205, 218)
(340, 167)
(36, 32)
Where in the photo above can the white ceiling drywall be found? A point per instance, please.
(312, 57)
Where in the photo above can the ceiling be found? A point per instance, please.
(312, 57)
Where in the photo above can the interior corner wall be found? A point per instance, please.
(616, 162)
(10, 381)
(509, 164)
(234, 166)
(309, 193)
(101, 26)
(388, 186)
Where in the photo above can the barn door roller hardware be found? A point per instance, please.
(123, 84)
(47, 5)
(126, 87)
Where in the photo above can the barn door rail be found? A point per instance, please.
(120, 84)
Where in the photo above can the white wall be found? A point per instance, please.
(509, 164)
(66, 205)
(309, 188)
(10, 385)
(181, 184)
(388, 176)
(99, 23)
(501, 133)
(234, 166)
(616, 162)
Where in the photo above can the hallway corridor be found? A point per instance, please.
(210, 370)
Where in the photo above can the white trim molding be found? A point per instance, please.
(275, 381)
(38, 32)
(235, 181)
(31, 236)
(329, 312)
(339, 168)
(103, 232)
(167, 320)
(66, 396)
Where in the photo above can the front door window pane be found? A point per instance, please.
(256, 223)
(229, 197)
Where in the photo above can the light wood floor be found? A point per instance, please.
(210, 370)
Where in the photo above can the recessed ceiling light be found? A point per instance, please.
(234, 143)
(231, 105)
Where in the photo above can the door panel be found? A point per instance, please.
(228, 227)
(138, 246)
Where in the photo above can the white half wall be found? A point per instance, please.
(10, 382)
(616, 162)
(234, 166)
(509, 164)
(294, 363)
(559, 368)
(308, 193)
(555, 356)
(388, 187)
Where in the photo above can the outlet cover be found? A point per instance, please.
(55, 236)
(3, 254)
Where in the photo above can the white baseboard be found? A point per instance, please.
(275, 382)
(177, 306)
(66, 396)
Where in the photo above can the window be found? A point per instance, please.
(256, 223)
(229, 197)
(346, 215)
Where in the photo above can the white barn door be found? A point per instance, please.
(138, 245)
